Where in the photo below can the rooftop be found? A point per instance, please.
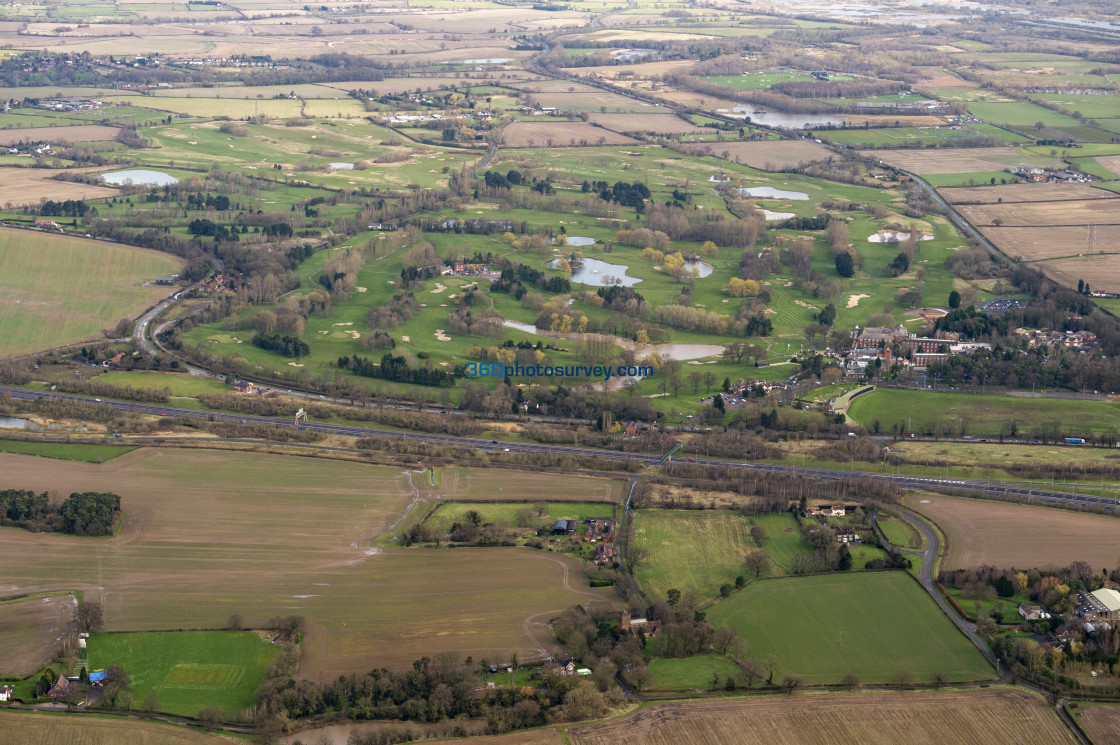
(1110, 599)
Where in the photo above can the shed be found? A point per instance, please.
(561, 527)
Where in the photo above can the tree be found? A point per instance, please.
(235, 622)
(791, 682)
(937, 680)
(116, 686)
(757, 562)
(850, 681)
(954, 299)
(90, 615)
(753, 670)
(640, 677)
(758, 535)
(210, 717)
(845, 267)
(673, 596)
(901, 679)
(151, 704)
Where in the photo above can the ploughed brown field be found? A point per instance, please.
(979, 717)
(957, 160)
(212, 533)
(1004, 534)
(1101, 722)
(29, 628)
(766, 154)
(1011, 193)
(77, 133)
(560, 134)
(656, 123)
(21, 727)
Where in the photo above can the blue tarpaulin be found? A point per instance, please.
(98, 676)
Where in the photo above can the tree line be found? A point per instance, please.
(82, 513)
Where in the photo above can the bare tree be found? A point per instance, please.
(791, 682)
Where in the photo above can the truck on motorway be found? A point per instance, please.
(1075, 440)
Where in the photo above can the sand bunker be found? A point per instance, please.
(405, 338)
(295, 364)
(361, 289)
(347, 323)
(853, 301)
(440, 336)
(440, 287)
(804, 304)
(897, 236)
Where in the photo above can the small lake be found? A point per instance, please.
(139, 177)
(12, 422)
(769, 192)
(787, 121)
(578, 240)
(702, 268)
(600, 274)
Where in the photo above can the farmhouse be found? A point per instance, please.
(827, 510)
(60, 688)
(1102, 603)
(630, 625)
(1032, 612)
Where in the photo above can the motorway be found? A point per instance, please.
(997, 488)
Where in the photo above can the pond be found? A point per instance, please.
(600, 274)
(139, 177)
(769, 192)
(702, 268)
(13, 422)
(775, 119)
(578, 240)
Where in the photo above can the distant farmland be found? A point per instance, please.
(561, 134)
(1100, 721)
(20, 727)
(981, 717)
(211, 533)
(939, 413)
(55, 289)
(871, 624)
(981, 531)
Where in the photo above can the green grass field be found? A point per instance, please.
(900, 533)
(56, 289)
(1019, 114)
(905, 136)
(700, 550)
(927, 412)
(872, 624)
(176, 384)
(66, 450)
(187, 670)
(690, 672)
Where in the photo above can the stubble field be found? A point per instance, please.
(28, 185)
(19, 728)
(986, 532)
(55, 289)
(1011, 193)
(1043, 214)
(992, 717)
(208, 534)
(79, 133)
(957, 160)
(1101, 271)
